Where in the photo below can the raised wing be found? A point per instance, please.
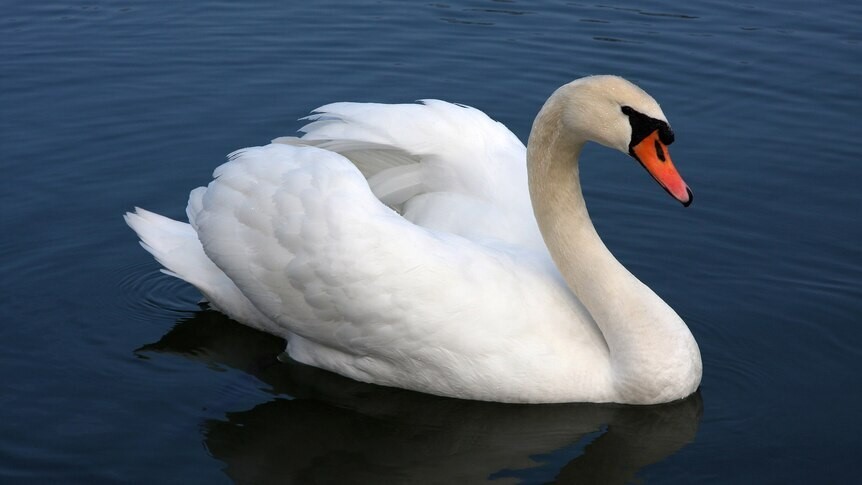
(441, 165)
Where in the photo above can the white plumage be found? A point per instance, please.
(396, 244)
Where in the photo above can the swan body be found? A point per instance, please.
(422, 246)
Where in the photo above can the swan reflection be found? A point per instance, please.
(324, 428)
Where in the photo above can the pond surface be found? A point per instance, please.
(112, 372)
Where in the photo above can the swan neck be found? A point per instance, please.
(589, 268)
(645, 337)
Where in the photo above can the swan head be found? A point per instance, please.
(617, 114)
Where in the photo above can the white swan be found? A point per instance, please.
(396, 244)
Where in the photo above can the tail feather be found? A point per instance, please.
(176, 246)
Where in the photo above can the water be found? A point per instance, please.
(112, 372)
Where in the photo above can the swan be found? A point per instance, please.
(423, 246)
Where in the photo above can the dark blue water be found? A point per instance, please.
(111, 372)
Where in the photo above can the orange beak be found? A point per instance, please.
(654, 156)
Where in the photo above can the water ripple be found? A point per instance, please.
(146, 293)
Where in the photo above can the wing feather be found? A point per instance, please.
(421, 158)
(297, 229)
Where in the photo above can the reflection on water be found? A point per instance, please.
(323, 428)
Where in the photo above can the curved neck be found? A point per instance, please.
(645, 336)
(591, 271)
